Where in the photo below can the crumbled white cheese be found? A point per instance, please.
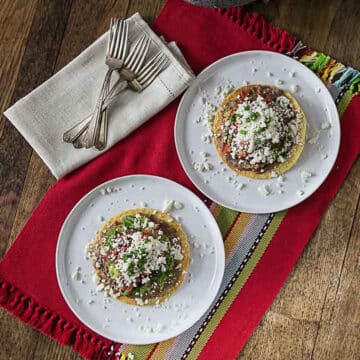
(217, 90)
(299, 193)
(254, 70)
(274, 174)
(261, 125)
(108, 190)
(263, 190)
(227, 89)
(305, 175)
(240, 186)
(279, 82)
(202, 166)
(294, 88)
(95, 279)
(168, 205)
(203, 154)
(76, 275)
(280, 191)
(139, 301)
(178, 205)
(326, 125)
(209, 113)
(143, 204)
(245, 82)
(100, 288)
(102, 191)
(159, 328)
(314, 137)
(269, 74)
(323, 156)
(130, 356)
(291, 74)
(206, 138)
(148, 329)
(91, 301)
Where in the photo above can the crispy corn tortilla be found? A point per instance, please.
(181, 235)
(222, 115)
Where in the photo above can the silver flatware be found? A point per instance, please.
(115, 56)
(138, 83)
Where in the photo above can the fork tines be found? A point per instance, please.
(136, 57)
(152, 69)
(117, 44)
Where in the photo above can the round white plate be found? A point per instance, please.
(254, 67)
(135, 324)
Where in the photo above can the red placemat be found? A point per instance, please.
(28, 286)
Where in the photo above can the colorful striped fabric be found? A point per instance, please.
(247, 236)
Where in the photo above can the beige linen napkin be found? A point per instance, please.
(69, 96)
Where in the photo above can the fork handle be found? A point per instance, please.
(73, 133)
(94, 124)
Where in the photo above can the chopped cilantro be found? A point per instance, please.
(261, 130)
(131, 271)
(257, 141)
(129, 221)
(247, 107)
(268, 119)
(243, 132)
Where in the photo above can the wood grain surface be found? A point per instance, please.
(316, 315)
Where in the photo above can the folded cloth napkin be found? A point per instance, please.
(70, 95)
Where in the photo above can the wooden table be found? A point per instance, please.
(316, 315)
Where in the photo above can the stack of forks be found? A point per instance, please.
(135, 74)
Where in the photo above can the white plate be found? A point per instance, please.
(253, 67)
(185, 307)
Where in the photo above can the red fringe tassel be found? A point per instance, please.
(51, 324)
(255, 25)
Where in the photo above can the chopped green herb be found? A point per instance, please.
(268, 119)
(261, 130)
(247, 107)
(257, 141)
(243, 132)
(129, 221)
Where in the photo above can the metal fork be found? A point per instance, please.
(132, 63)
(138, 83)
(115, 55)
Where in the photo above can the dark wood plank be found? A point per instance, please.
(86, 22)
(293, 325)
(32, 68)
(338, 334)
(46, 33)
(330, 26)
(18, 17)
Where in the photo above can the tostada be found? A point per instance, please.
(259, 130)
(140, 256)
